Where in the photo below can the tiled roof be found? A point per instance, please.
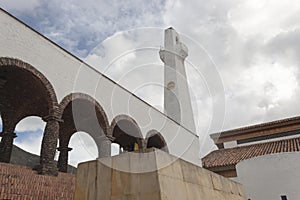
(281, 122)
(231, 156)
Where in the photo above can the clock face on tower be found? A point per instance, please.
(171, 85)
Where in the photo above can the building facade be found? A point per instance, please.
(39, 78)
(262, 157)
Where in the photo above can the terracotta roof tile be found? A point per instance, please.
(231, 156)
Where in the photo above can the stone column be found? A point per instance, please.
(6, 146)
(49, 144)
(104, 148)
(142, 145)
(7, 140)
(63, 159)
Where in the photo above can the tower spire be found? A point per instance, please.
(177, 101)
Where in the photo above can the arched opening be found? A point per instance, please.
(0, 123)
(116, 149)
(29, 134)
(84, 148)
(156, 140)
(24, 92)
(27, 144)
(127, 133)
(81, 113)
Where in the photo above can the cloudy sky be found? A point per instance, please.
(243, 66)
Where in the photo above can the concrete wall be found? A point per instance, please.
(68, 75)
(154, 175)
(270, 176)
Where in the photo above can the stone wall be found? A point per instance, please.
(153, 175)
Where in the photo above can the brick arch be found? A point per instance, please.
(125, 130)
(73, 96)
(53, 103)
(155, 139)
(81, 112)
(37, 98)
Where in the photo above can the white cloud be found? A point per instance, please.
(254, 82)
(249, 47)
(33, 124)
(29, 141)
(79, 26)
(263, 17)
(255, 46)
(19, 5)
(131, 59)
(29, 134)
(84, 148)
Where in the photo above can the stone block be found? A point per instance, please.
(216, 181)
(146, 162)
(205, 178)
(226, 185)
(151, 176)
(233, 187)
(190, 173)
(172, 188)
(148, 183)
(168, 165)
(120, 162)
(219, 195)
(85, 181)
(197, 192)
(241, 189)
(103, 181)
(120, 183)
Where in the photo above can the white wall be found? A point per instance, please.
(67, 75)
(269, 140)
(270, 176)
(230, 144)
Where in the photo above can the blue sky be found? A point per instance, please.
(252, 44)
(79, 26)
